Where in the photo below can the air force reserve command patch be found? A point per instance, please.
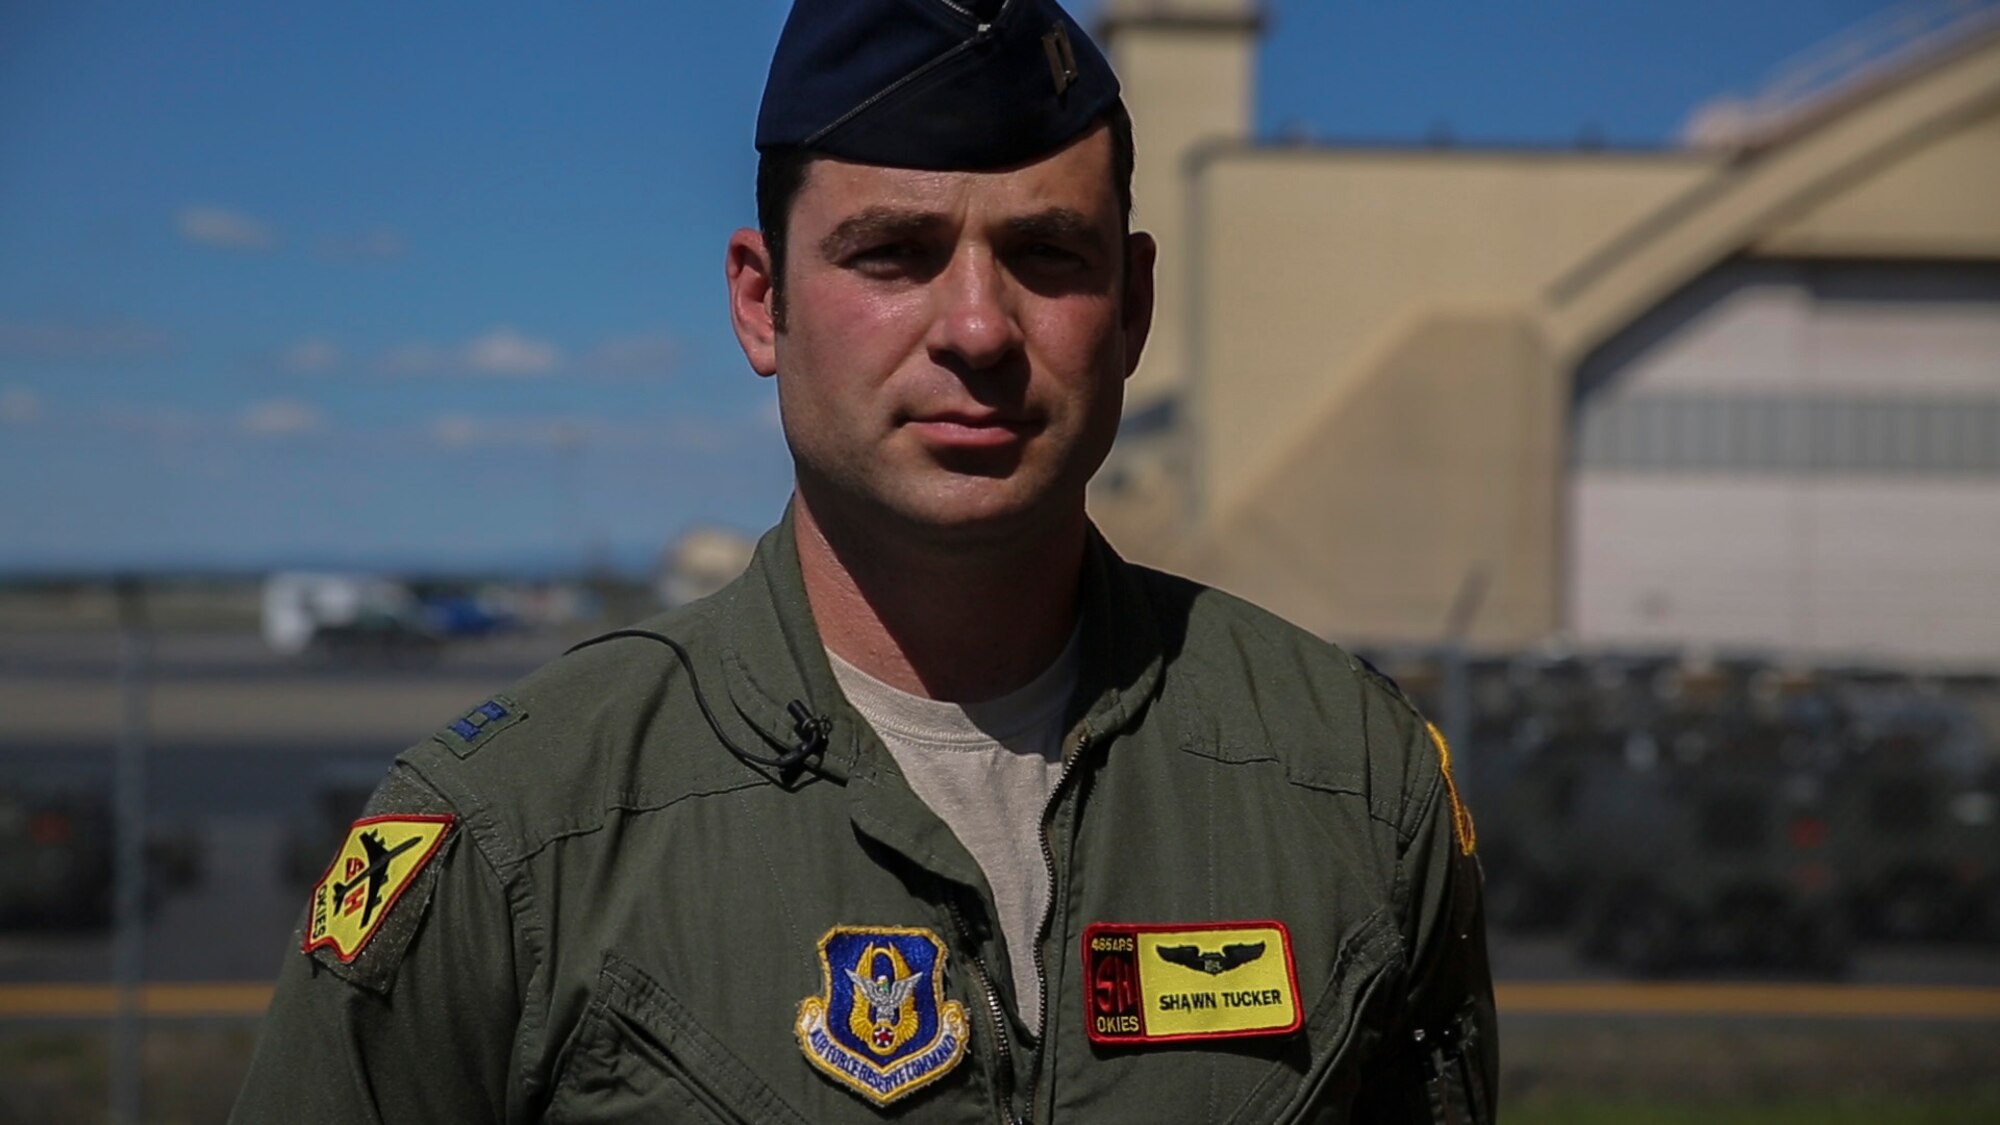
(382, 857)
(1173, 983)
(881, 1026)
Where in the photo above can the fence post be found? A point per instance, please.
(128, 790)
(1455, 680)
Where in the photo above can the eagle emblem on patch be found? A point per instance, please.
(881, 1026)
(381, 857)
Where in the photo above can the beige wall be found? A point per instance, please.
(1943, 200)
(1371, 350)
(1443, 471)
(1825, 155)
(1187, 70)
(1310, 258)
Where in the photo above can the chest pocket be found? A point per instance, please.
(1343, 1028)
(637, 1056)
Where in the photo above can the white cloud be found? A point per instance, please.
(467, 431)
(653, 353)
(507, 352)
(377, 244)
(230, 230)
(282, 417)
(769, 416)
(590, 435)
(504, 351)
(457, 431)
(19, 405)
(151, 420)
(311, 356)
(93, 341)
(419, 358)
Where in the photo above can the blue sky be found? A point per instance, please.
(384, 283)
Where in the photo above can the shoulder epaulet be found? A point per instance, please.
(1367, 668)
(1461, 818)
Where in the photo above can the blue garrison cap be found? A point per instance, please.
(951, 85)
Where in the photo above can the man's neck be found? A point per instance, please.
(960, 624)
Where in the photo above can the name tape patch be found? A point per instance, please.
(379, 860)
(881, 1026)
(1172, 983)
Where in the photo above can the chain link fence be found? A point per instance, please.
(1667, 814)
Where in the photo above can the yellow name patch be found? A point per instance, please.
(1171, 983)
(377, 863)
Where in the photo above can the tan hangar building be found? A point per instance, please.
(1741, 393)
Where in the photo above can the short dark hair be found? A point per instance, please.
(781, 173)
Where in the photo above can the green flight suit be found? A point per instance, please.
(624, 919)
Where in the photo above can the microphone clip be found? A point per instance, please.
(812, 731)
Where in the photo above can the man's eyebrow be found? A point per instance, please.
(876, 224)
(1057, 224)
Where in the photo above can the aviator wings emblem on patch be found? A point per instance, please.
(1214, 964)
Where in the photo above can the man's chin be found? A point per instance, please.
(995, 463)
(981, 511)
(939, 507)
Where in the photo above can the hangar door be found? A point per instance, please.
(1795, 456)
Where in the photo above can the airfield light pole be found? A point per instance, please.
(128, 785)
(1456, 688)
(570, 522)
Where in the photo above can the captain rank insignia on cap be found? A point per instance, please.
(947, 85)
(881, 1026)
(1175, 983)
(380, 859)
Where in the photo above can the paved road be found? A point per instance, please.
(240, 743)
(245, 804)
(244, 741)
(93, 654)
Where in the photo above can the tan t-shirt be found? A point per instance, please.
(986, 769)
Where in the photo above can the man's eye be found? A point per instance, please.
(888, 252)
(1052, 256)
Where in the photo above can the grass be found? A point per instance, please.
(1555, 1072)
(1914, 1110)
(61, 1074)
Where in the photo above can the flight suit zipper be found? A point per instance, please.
(1048, 913)
(996, 1013)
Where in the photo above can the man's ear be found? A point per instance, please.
(1137, 314)
(753, 296)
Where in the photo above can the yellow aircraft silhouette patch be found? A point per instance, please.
(377, 863)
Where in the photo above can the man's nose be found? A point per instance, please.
(975, 319)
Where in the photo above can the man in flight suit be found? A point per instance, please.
(942, 810)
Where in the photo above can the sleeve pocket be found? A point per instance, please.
(1453, 1088)
(638, 1056)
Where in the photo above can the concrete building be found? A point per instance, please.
(1742, 393)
